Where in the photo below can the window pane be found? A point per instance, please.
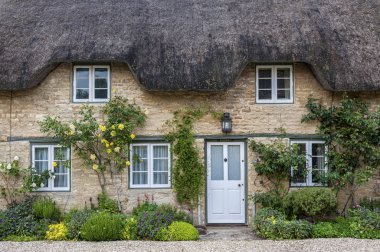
(265, 94)
(265, 84)
(60, 181)
(82, 83)
(101, 83)
(41, 166)
(82, 73)
(82, 94)
(318, 149)
(217, 171)
(234, 162)
(140, 155)
(283, 94)
(160, 178)
(283, 72)
(139, 178)
(317, 175)
(101, 73)
(299, 173)
(265, 73)
(160, 164)
(101, 93)
(140, 151)
(41, 153)
(60, 153)
(283, 83)
(318, 163)
(160, 152)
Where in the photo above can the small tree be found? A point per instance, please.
(352, 132)
(275, 161)
(102, 146)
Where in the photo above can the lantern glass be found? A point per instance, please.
(226, 123)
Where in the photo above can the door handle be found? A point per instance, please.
(225, 159)
(239, 185)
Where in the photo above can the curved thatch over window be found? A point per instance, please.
(192, 45)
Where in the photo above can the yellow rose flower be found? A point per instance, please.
(107, 145)
(92, 157)
(109, 151)
(102, 128)
(120, 126)
(117, 149)
(95, 166)
(111, 143)
(104, 141)
(113, 133)
(127, 163)
(133, 136)
(113, 127)
(54, 164)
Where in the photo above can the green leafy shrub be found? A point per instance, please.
(130, 229)
(105, 203)
(324, 230)
(103, 226)
(370, 204)
(19, 220)
(310, 202)
(146, 206)
(74, 221)
(20, 238)
(271, 224)
(182, 231)
(269, 199)
(45, 208)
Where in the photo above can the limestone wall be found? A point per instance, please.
(21, 110)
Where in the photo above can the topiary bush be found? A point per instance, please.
(45, 208)
(310, 202)
(57, 232)
(74, 221)
(103, 226)
(182, 231)
(130, 229)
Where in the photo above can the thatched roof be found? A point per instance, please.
(192, 44)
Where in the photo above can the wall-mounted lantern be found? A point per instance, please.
(226, 123)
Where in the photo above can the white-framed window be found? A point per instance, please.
(91, 84)
(55, 159)
(315, 166)
(150, 167)
(274, 84)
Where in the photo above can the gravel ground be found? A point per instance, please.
(325, 245)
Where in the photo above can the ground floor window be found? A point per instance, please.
(55, 159)
(315, 166)
(150, 165)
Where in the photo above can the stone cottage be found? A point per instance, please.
(257, 60)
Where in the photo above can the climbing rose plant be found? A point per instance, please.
(102, 145)
(352, 132)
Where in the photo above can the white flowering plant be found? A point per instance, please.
(16, 181)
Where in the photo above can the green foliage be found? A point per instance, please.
(20, 238)
(370, 204)
(74, 220)
(107, 204)
(19, 220)
(270, 199)
(188, 171)
(352, 132)
(130, 229)
(101, 146)
(150, 223)
(146, 206)
(103, 226)
(310, 202)
(45, 208)
(180, 231)
(275, 161)
(271, 224)
(324, 230)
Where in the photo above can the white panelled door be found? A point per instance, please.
(225, 182)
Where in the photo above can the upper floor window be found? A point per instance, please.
(150, 165)
(55, 159)
(274, 84)
(91, 84)
(315, 166)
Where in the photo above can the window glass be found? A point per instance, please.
(91, 83)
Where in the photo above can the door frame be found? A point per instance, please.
(244, 142)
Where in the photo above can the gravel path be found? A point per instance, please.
(323, 245)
